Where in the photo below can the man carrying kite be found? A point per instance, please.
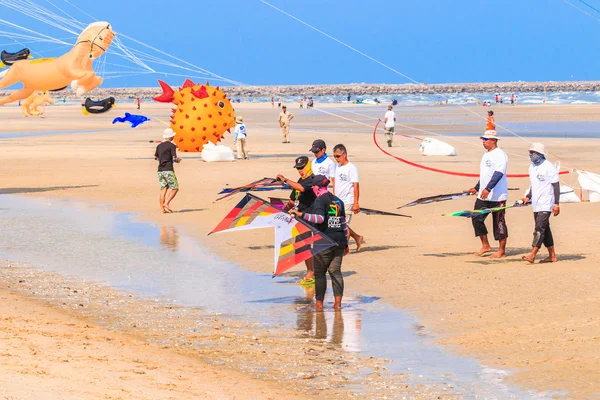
(328, 216)
(544, 195)
(492, 191)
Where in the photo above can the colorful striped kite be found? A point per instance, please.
(295, 240)
(280, 203)
(474, 213)
(259, 185)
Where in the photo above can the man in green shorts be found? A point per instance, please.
(390, 121)
(166, 154)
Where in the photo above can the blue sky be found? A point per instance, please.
(432, 41)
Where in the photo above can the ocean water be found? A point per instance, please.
(453, 98)
(92, 242)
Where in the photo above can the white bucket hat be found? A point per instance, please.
(491, 134)
(538, 148)
(168, 133)
(239, 119)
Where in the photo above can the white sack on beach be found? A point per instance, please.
(590, 182)
(434, 147)
(568, 195)
(212, 153)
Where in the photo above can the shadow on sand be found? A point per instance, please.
(42, 189)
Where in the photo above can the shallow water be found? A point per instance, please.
(12, 135)
(93, 242)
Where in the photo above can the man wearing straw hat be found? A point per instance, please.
(166, 155)
(544, 195)
(240, 138)
(492, 191)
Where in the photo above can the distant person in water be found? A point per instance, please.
(390, 123)
(166, 155)
(490, 124)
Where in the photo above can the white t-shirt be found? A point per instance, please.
(390, 115)
(240, 131)
(345, 177)
(542, 193)
(327, 167)
(491, 162)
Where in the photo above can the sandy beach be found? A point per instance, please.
(540, 322)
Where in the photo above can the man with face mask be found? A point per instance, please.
(328, 216)
(492, 191)
(544, 195)
(302, 199)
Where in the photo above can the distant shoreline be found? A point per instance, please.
(356, 89)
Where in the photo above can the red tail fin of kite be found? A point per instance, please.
(167, 95)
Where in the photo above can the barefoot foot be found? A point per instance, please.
(167, 208)
(498, 255)
(483, 251)
(528, 258)
(549, 259)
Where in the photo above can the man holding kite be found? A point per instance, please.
(492, 191)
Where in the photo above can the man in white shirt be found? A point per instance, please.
(346, 188)
(322, 164)
(240, 138)
(544, 195)
(390, 122)
(492, 191)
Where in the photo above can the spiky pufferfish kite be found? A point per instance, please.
(201, 114)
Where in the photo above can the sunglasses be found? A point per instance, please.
(485, 139)
(338, 155)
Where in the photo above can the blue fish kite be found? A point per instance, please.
(134, 120)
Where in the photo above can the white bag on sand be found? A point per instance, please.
(434, 147)
(568, 195)
(590, 182)
(212, 153)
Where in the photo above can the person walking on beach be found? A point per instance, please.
(492, 191)
(302, 199)
(346, 188)
(240, 138)
(139, 103)
(328, 216)
(272, 102)
(490, 124)
(544, 195)
(284, 122)
(322, 164)
(166, 154)
(390, 122)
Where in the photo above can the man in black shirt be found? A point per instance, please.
(166, 154)
(301, 199)
(329, 216)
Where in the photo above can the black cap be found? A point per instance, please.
(301, 162)
(320, 180)
(317, 146)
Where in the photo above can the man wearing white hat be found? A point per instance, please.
(544, 195)
(166, 154)
(492, 191)
(240, 138)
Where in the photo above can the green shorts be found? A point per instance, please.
(389, 130)
(168, 179)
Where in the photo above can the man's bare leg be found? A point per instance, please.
(551, 256)
(163, 193)
(357, 238)
(337, 303)
(319, 305)
(501, 253)
(310, 269)
(170, 197)
(485, 246)
(530, 258)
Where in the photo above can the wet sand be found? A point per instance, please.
(539, 321)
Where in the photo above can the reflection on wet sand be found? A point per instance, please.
(338, 327)
(169, 238)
